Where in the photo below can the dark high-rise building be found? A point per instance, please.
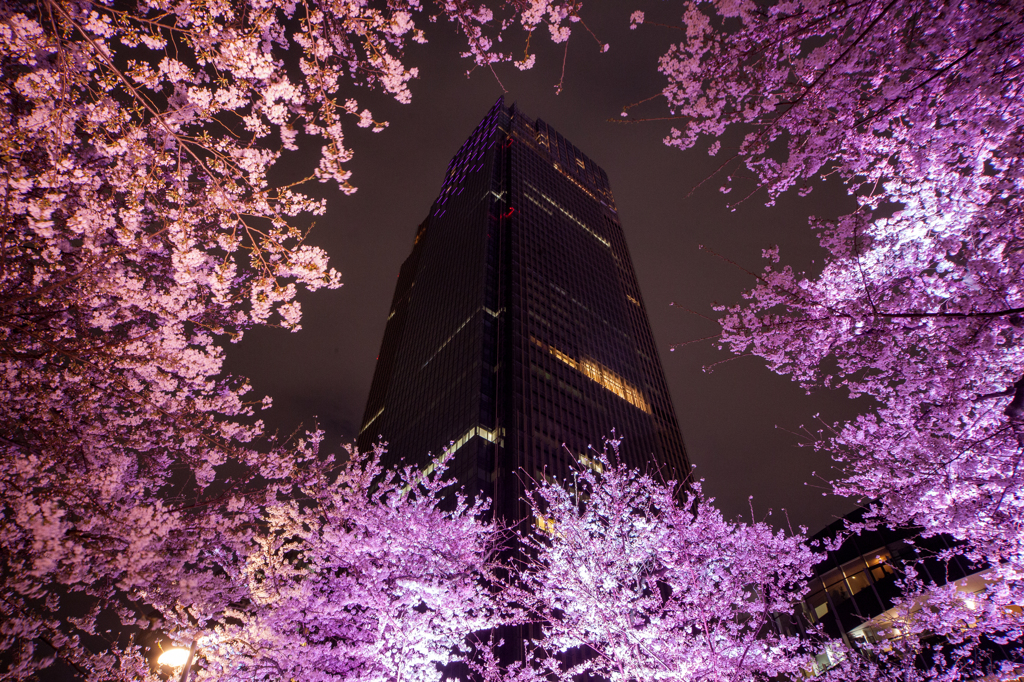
(517, 324)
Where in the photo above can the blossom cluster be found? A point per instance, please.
(142, 228)
(631, 577)
(917, 107)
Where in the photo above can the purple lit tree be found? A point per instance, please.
(635, 584)
(140, 231)
(358, 575)
(342, 572)
(917, 107)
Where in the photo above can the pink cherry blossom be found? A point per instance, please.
(629, 579)
(917, 107)
(141, 231)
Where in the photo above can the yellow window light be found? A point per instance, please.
(545, 525)
(600, 374)
(591, 463)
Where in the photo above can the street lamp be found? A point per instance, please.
(174, 657)
(179, 657)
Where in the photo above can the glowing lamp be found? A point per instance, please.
(174, 657)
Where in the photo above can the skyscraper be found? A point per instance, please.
(517, 331)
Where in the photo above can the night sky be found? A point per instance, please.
(736, 421)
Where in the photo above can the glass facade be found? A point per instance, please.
(517, 332)
(852, 591)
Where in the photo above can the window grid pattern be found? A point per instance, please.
(517, 326)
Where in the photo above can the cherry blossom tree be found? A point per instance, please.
(629, 580)
(365, 575)
(140, 231)
(341, 572)
(917, 108)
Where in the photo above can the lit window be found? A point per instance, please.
(538, 205)
(602, 375)
(455, 333)
(594, 465)
(545, 525)
(576, 182)
(491, 436)
(372, 419)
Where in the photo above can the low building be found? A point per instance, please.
(852, 591)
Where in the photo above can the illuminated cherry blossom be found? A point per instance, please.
(361, 576)
(629, 580)
(141, 231)
(917, 107)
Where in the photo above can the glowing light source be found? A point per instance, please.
(545, 525)
(602, 375)
(174, 657)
